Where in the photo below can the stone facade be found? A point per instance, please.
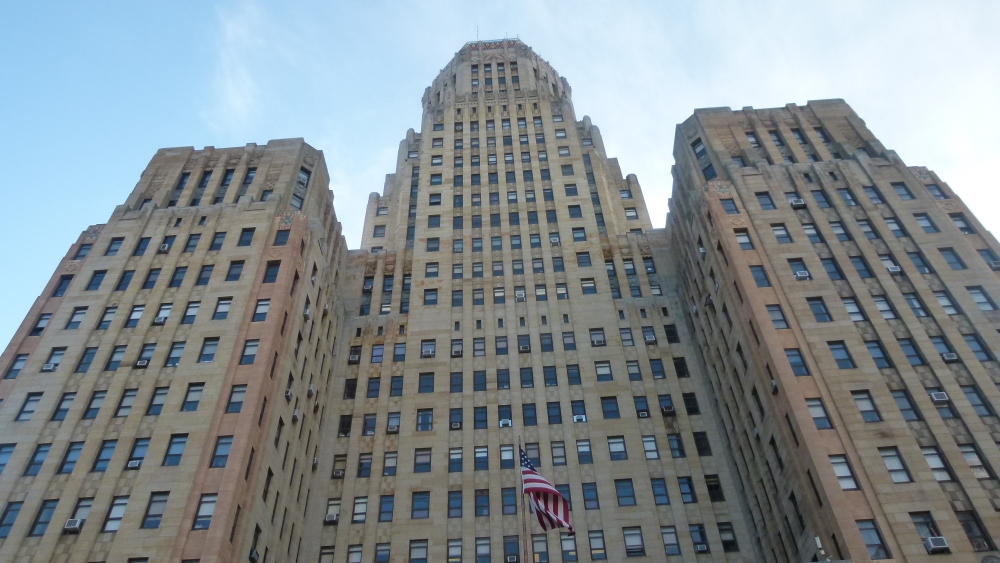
(368, 405)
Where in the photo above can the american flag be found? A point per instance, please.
(551, 509)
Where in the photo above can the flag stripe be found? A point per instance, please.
(551, 508)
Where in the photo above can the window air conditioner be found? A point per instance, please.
(701, 547)
(338, 473)
(315, 463)
(801, 275)
(524, 348)
(505, 422)
(511, 559)
(939, 398)
(643, 414)
(142, 363)
(306, 314)
(456, 353)
(72, 526)
(949, 357)
(797, 203)
(392, 429)
(650, 339)
(353, 359)
(134, 464)
(936, 544)
(774, 387)
(554, 243)
(331, 519)
(894, 269)
(288, 394)
(49, 367)
(295, 415)
(254, 556)
(599, 342)
(427, 354)
(164, 248)
(316, 406)
(756, 433)
(157, 321)
(520, 298)
(995, 265)
(311, 391)
(668, 411)
(326, 308)
(456, 425)
(579, 418)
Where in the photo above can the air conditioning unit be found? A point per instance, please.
(326, 308)
(295, 415)
(701, 250)
(134, 464)
(306, 314)
(939, 398)
(456, 353)
(524, 348)
(643, 414)
(343, 433)
(353, 359)
(668, 411)
(703, 547)
(338, 473)
(520, 299)
(801, 275)
(756, 433)
(774, 387)
(392, 429)
(331, 519)
(315, 463)
(254, 556)
(797, 203)
(456, 425)
(73, 525)
(949, 357)
(142, 364)
(316, 406)
(894, 269)
(159, 321)
(995, 265)
(554, 243)
(311, 391)
(164, 248)
(427, 354)
(936, 544)
(288, 394)
(49, 367)
(505, 422)
(599, 342)
(650, 339)
(511, 559)
(633, 551)
(579, 418)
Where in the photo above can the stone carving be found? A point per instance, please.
(849, 134)
(737, 221)
(947, 205)
(271, 179)
(288, 217)
(721, 187)
(92, 232)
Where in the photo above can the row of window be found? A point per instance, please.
(782, 235)
(492, 159)
(587, 287)
(537, 265)
(567, 547)
(190, 403)
(926, 528)
(846, 195)
(425, 417)
(624, 492)
(602, 369)
(209, 347)
(151, 519)
(298, 195)
(115, 244)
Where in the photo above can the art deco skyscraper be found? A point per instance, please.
(510, 288)
(843, 304)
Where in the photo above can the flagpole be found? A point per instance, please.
(524, 524)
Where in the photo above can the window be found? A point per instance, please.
(974, 528)
(676, 445)
(972, 456)
(42, 519)
(979, 404)
(911, 352)
(868, 230)
(866, 405)
(175, 449)
(616, 447)
(221, 454)
(192, 397)
(206, 507)
(36, 460)
(425, 419)
(978, 348)
(114, 518)
(818, 413)
(18, 364)
(841, 355)
(156, 401)
(777, 316)
(420, 505)
(28, 407)
(796, 361)
(743, 239)
(895, 466)
(981, 298)
(634, 546)
(96, 400)
(208, 349)
(952, 258)
(154, 510)
(878, 354)
(843, 472)
(125, 404)
(760, 276)
(271, 272)
(236, 396)
(133, 318)
(781, 233)
(848, 197)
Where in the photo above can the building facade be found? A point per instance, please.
(213, 376)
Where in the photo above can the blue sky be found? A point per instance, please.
(89, 91)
